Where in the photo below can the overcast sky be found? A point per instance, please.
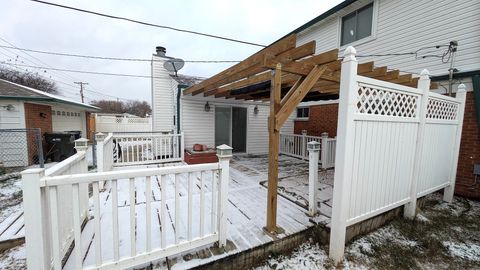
(36, 26)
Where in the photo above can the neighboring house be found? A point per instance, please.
(207, 120)
(24, 107)
(380, 28)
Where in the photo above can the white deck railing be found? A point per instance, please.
(123, 149)
(396, 143)
(295, 145)
(44, 239)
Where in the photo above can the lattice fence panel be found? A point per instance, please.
(380, 101)
(442, 109)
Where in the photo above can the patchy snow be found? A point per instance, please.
(13, 259)
(306, 256)
(422, 218)
(10, 197)
(469, 251)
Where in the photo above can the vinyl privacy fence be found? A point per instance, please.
(394, 144)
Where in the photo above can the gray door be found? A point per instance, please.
(222, 125)
(239, 129)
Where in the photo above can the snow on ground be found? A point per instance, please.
(13, 259)
(443, 236)
(10, 197)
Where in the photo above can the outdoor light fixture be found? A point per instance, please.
(43, 115)
(207, 107)
(255, 110)
(9, 107)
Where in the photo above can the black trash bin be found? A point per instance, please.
(61, 145)
(76, 133)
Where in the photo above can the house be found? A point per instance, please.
(207, 120)
(403, 35)
(23, 107)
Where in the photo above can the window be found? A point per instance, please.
(357, 25)
(303, 112)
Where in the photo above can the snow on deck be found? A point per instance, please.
(246, 212)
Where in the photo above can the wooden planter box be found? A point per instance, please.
(198, 157)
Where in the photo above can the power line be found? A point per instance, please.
(149, 24)
(114, 58)
(416, 53)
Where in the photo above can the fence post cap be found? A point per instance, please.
(99, 136)
(313, 146)
(425, 72)
(461, 88)
(349, 54)
(324, 135)
(81, 144)
(304, 132)
(224, 151)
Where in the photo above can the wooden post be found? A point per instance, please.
(224, 154)
(313, 152)
(324, 150)
(273, 143)
(35, 220)
(424, 87)
(448, 191)
(344, 154)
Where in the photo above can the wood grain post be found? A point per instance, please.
(461, 96)
(424, 87)
(35, 220)
(224, 154)
(273, 147)
(313, 153)
(344, 154)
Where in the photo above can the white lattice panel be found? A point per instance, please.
(442, 109)
(379, 101)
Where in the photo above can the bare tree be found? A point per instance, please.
(135, 107)
(29, 79)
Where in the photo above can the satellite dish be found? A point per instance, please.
(174, 65)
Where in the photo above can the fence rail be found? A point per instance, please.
(295, 145)
(122, 149)
(130, 213)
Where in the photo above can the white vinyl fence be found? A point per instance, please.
(105, 124)
(138, 148)
(112, 221)
(395, 144)
(49, 234)
(295, 145)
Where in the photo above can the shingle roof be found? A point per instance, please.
(16, 91)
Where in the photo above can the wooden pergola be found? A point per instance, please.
(286, 74)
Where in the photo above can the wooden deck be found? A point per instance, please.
(246, 212)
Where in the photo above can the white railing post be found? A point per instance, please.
(449, 190)
(224, 154)
(324, 150)
(313, 153)
(35, 220)
(424, 88)
(182, 146)
(304, 144)
(100, 137)
(344, 156)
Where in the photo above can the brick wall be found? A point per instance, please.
(322, 118)
(469, 152)
(34, 119)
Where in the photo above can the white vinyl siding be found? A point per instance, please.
(74, 119)
(13, 145)
(405, 26)
(162, 96)
(199, 126)
(14, 118)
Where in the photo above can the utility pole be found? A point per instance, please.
(81, 89)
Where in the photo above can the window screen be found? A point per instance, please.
(357, 25)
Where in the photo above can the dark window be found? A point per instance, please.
(357, 25)
(302, 112)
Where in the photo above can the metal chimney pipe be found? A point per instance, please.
(161, 51)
